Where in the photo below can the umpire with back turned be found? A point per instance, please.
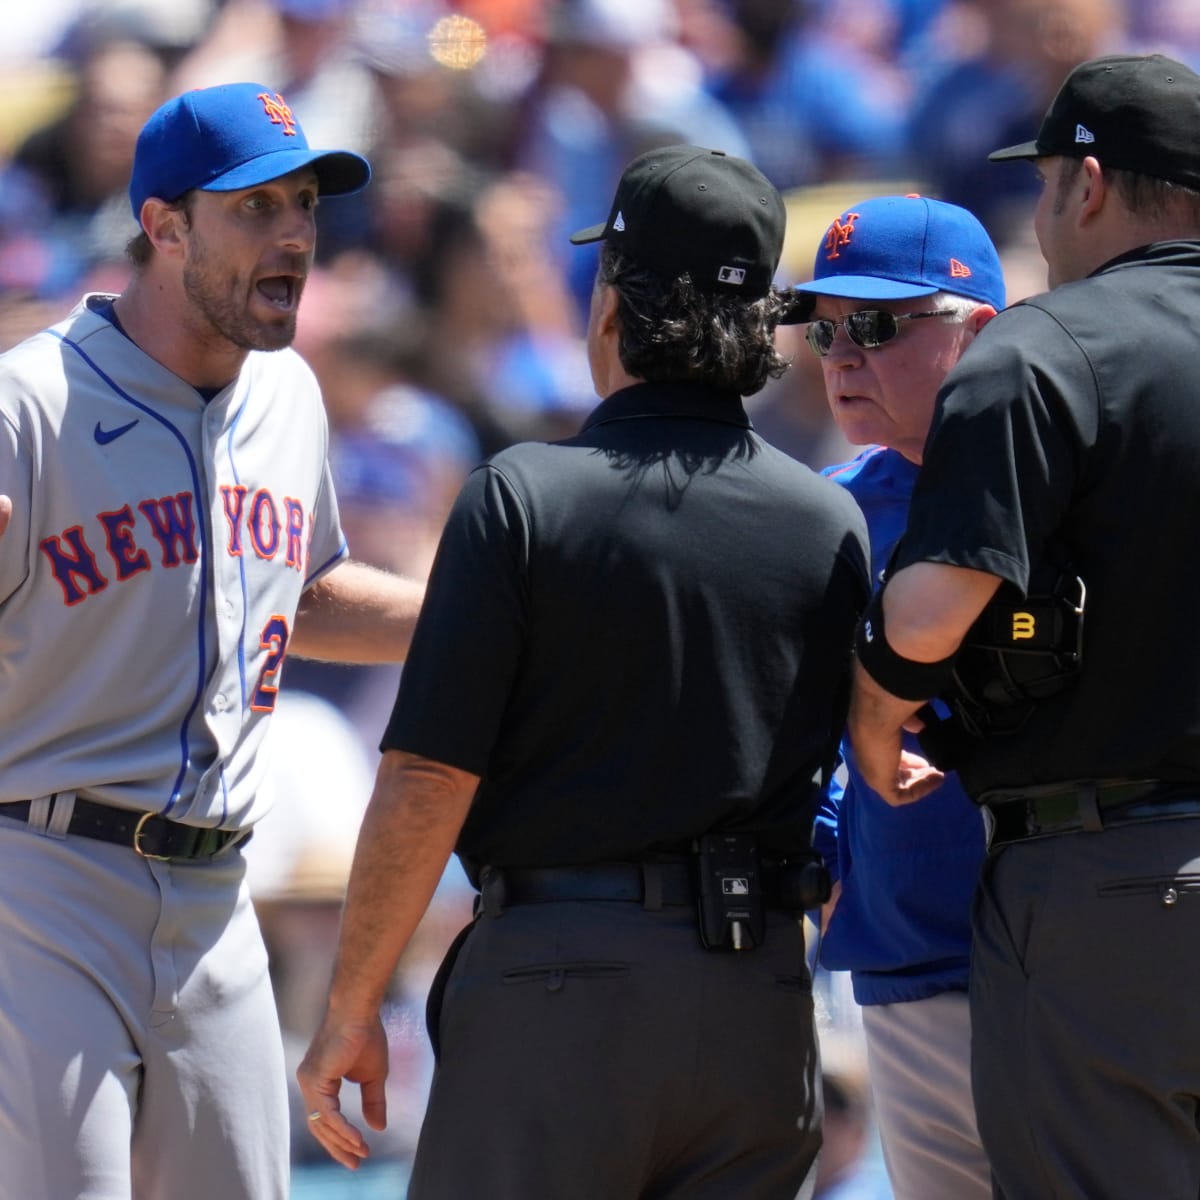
(621, 695)
(1071, 429)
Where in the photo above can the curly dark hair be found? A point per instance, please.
(671, 332)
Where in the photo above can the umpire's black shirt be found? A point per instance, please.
(636, 635)
(1072, 426)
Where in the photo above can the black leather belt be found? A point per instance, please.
(651, 884)
(1086, 806)
(149, 834)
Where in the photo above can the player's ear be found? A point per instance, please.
(609, 300)
(979, 317)
(1095, 189)
(164, 224)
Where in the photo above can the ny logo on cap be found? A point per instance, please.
(275, 108)
(1084, 134)
(839, 235)
(734, 275)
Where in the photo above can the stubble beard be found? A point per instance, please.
(214, 298)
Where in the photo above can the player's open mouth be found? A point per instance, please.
(283, 291)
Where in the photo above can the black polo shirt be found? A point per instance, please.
(1072, 426)
(636, 635)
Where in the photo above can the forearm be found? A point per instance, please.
(357, 614)
(927, 610)
(407, 835)
(875, 723)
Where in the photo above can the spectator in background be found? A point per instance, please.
(614, 81)
(502, 335)
(817, 96)
(302, 48)
(81, 161)
(398, 454)
(901, 287)
(1013, 57)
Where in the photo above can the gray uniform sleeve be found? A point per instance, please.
(16, 482)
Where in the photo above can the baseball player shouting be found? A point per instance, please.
(170, 534)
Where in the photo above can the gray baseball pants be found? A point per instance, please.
(919, 1059)
(140, 1053)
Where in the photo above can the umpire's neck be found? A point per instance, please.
(603, 343)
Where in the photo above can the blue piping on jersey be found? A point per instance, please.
(241, 654)
(176, 790)
(241, 645)
(341, 553)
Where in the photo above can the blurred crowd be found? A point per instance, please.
(446, 313)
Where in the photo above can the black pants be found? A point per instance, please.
(595, 1051)
(1085, 1014)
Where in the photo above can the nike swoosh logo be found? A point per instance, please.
(104, 436)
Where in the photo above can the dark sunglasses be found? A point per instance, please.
(869, 328)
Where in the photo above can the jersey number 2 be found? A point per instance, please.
(274, 641)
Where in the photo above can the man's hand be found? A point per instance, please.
(5, 513)
(408, 832)
(357, 1052)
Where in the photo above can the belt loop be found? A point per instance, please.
(40, 812)
(62, 807)
(491, 891)
(1089, 809)
(652, 886)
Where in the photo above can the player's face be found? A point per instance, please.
(885, 396)
(248, 255)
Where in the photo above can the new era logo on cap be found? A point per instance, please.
(1084, 134)
(619, 223)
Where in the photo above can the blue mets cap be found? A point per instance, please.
(221, 139)
(901, 247)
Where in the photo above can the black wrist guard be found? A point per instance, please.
(902, 677)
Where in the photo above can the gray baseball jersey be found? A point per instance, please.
(150, 576)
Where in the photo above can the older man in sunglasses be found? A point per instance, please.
(901, 286)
